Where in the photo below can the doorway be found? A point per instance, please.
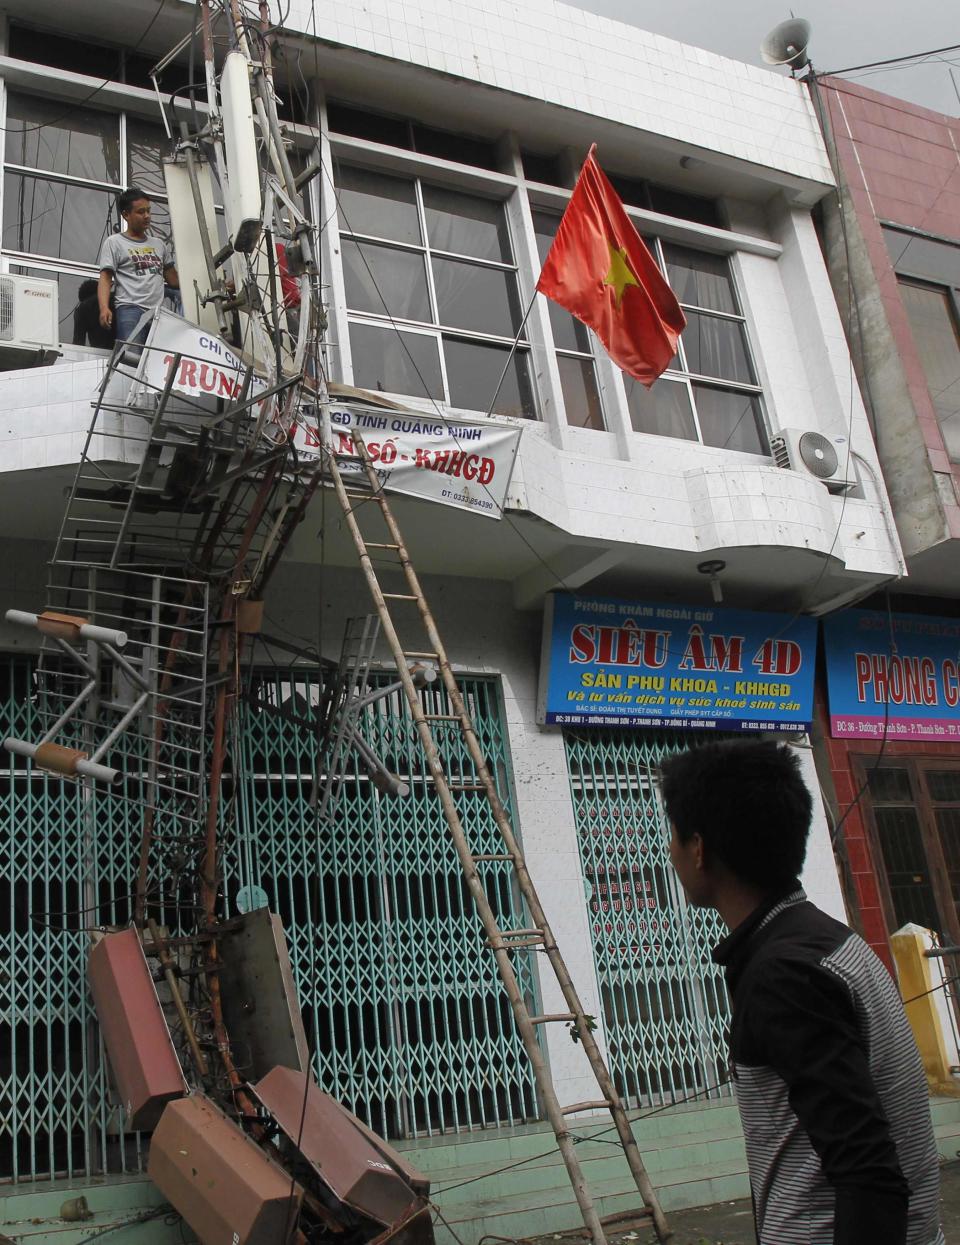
(912, 808)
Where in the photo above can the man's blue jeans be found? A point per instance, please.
(126, 318)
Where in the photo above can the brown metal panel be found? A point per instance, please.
(260, 1005)
(144, 1063)
(225, 1187)
(413, 1175)
(363, 1171)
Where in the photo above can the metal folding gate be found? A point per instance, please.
(664, 1001)
(55, 1112)
(400, 996)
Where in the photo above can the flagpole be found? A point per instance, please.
(513, 351)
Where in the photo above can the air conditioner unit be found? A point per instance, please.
(827, 457)
(29, 322)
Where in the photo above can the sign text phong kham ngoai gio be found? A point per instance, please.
(622, 663)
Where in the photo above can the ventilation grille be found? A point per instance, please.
(781, 452)
(7, 293)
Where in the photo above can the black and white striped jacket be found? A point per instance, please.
(832, 1095)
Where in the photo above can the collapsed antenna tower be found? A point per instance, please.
(189, 488)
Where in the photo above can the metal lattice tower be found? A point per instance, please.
(174, 516)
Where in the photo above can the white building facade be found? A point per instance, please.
(449, 136)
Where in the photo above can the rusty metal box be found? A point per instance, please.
(260, 1006)
(225, 1187)
(362, 1169)
(144, 1063)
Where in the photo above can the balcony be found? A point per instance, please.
(576, 517)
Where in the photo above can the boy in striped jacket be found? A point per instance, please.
(831, 1091)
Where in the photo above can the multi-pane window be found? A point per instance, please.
(64, 166)
(431, 289)
(932, 312)
(933, 315)
(928, 271)
(551, 169)
(709, 392)
(639, 193)
(431, 294)
(572, 339)
(409, 135)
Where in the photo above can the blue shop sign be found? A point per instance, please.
(893, 677)
(623, 663)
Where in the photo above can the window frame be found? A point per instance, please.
(916, 767)
(54, 264)
(589, 355)
(684, 375)
(426, 175)
(951, 298)
(126, 105)
(930, 279)
(523, 196)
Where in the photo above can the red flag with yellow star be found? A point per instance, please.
(599, 269)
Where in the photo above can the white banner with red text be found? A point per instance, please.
(206, 367)
(462, 463)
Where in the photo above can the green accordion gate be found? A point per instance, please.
(664, 1000)
(400, 996)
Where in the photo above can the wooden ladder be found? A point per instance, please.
(502, 942)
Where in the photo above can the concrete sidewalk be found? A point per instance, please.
(731, 1223)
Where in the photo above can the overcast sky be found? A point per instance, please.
(845, 32)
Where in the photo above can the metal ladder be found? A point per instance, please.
(502, 942)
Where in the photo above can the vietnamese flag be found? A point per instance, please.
(599, 269)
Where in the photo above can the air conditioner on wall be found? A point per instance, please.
(29, 322)
(828, 458)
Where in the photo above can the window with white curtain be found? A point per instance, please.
(64, 166)
(432, 289)
(709, 392)
(432, 294)
(928, 272)
(574, 346)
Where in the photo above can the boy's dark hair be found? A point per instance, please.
(749, 804)
(88, 289)
(127, 198)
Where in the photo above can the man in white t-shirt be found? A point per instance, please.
(136, 267)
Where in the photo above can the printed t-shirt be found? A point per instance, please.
(137, 266)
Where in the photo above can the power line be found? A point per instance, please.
(591, 1137)
(858, 75)
(42, 125)
(830, 142)
(894, 60)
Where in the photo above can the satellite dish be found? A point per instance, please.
(787, 44)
